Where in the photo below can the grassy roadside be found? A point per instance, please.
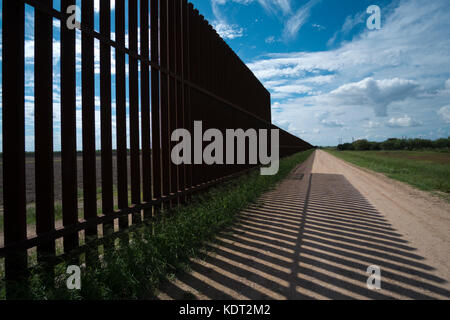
(426, 171)
(134, 269)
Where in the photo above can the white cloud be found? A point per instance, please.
(296, 22)
(444, 112)
(378, 94)
(293, 20)
(373, 125)
(318, 80)
(350, 23)
(225, 29)
(446, 90)
(405, 121)
(274, 6)
(297, 89)
(318, 26)
(411, 43)
(270, 39)
(332, 123)
(228, 31)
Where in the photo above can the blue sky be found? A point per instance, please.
(329, 76)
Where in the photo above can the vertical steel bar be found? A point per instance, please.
(105, 115)
(145, 108)
(187, 13)
(88, 117)
(165, 128)
(13, 124)
(228, 95)
(200, 169)
(156, 136)
(180, 86)
(68, 130)
(195, 64)
(121, 116)
(221, 169)
(204, 81)
(218, 172)
(172, 95)
(43, 124)
(236, 121)
(134, 108)
(208, 106)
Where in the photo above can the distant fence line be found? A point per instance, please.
(187, 73)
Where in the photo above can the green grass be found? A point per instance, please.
(158, 251)
(31, 207)
(429, 171)
(31, 214)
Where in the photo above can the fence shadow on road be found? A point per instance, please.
(310, 239)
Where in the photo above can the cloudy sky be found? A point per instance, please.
(331, 77)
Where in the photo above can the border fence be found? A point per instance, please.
(179, 71)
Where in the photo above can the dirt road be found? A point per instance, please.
(315, 235)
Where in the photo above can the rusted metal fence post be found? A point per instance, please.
(155, 102)
(68, 131)
(13, 108)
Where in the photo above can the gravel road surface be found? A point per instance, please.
(316, 234)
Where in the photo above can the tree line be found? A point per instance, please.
(396, 144)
